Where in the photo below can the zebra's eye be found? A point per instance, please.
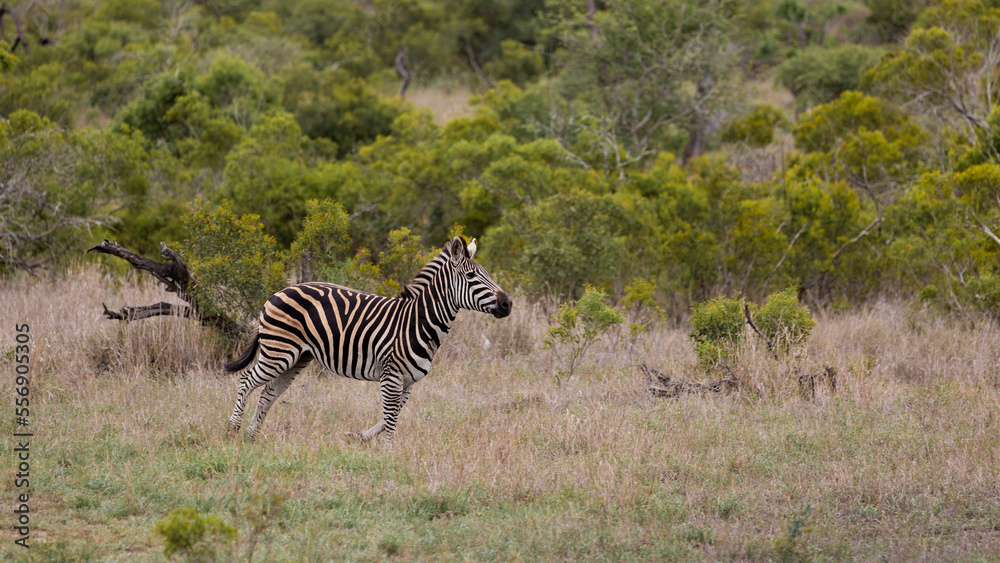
(470, 275)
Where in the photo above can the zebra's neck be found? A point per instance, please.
(432, 289)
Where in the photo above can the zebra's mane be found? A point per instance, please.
(413, 289)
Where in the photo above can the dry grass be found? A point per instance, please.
(446, 103)
(494, 461)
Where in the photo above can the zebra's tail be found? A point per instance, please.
(248, 356)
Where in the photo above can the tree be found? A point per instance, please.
(43, 202)
(818, 75)
(636, 77)
(563, 243)
(236, 267)
(949, 65)
(864, 140)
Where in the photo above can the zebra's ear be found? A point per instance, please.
(457, 249)
(472, 248)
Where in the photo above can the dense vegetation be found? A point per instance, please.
(848, 148)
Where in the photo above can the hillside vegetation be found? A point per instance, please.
(633, 140)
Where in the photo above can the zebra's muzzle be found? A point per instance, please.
(503, 306)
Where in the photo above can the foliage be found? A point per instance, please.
(323, 245)
(756, 129)
(717, 326)
(948, 64)
(563, 243)
(817, 75)
(516, 63)
(575, 158)
(401, 261)
(236, 266)
(193, 534)
(54, 185)
(577, 327)
(716, 330)
(783, 320)
(331, 104)
(635, 72)
(793, 546)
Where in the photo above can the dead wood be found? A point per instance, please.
(807, 382)
(129, 313)
(770, 345)
(176, 278)
(663, 386)
(21, 39)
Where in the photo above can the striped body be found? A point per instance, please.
(352, 333)
(355, 334)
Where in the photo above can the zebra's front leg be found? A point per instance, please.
(367, 435)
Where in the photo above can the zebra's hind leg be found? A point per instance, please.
(253, 377)
(246, 386)
(273, 390)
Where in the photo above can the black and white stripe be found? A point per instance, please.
(391, 340)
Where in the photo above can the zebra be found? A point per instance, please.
(364, 336)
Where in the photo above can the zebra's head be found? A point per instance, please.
(474, 289)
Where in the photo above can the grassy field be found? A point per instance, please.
(494, 460)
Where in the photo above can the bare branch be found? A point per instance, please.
(770, 345)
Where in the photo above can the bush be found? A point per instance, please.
(235, 265)
(516, 63)
(193, 534)
(817, 75)
(398, 263)
(756, 128)
(578, 326)
(717, 326)
(548, 246)
(716, 329)
(784, 320)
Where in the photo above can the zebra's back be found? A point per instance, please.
(350, 332)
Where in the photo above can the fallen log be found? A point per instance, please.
(176, 278)
(663, 386)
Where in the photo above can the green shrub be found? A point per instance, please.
(757, 127)
(717, 326)
(192, 534)
(784, 320)
(983, 293)
(794, 545)
(516, 63)
(236, 266)
(578, 326)
(817, 75)
(716, 329)
(397, 264)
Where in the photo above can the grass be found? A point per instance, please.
(494, 461)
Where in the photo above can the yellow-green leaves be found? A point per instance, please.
(236, 265)
(577, 326)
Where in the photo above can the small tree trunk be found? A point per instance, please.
(591, 12)
(21, 39)
(403, 71)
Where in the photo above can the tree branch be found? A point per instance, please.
(176, 278)
(770, 345)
